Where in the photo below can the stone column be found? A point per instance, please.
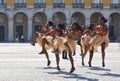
(68, 17)
(49, 14)
(10, 30)
(87, 21)
(106, 15)
(87, 18)
(29, 37)
(118, 32)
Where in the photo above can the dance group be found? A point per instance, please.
(60, 39)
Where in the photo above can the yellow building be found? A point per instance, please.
(27, 16)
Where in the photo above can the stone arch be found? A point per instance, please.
(78, 17)
(114, 27)
(20, 26)
(94, 17)
(39, 20)
(3, 26)
(59, 17)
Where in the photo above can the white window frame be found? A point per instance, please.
(39, 2)
(96, 1)
(17, 1)
(1, 1)
(55, 1)
(78, 1)
(115, 1)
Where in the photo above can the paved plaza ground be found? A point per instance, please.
(21, 62)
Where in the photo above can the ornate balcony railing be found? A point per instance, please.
(58, 5)
(97, 5)
(20, 5)
(3, 5)
(78, 5)
(114, 6)
(39, 5)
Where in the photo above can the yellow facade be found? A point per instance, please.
(50, 2)
(106, 2)
(65, 17)
(10, 2)
(68, 3)
(87, 2)
(30, 2)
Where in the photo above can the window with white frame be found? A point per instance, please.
(77, 1)
(58, 1)
(96, 1)
(2, 1)
(20, 1)
(115, 1)
(40, 1)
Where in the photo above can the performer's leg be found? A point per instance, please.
(57, 60)
(71, 58)
(34, 41)
(103, 54)
(90, 57)
(47, 56)
(43, 46)
(81, 47)
(72, 62)
(91, 44)
(74, 53)
(87, 48)
(83, 61)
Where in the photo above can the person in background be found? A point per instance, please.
(22, 38)
(16, 37)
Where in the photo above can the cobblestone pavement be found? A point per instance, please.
(21, 62)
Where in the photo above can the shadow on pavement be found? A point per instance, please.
(99, 69)
(72, 76)
(106, 74)
(111, 75)
(49, 67)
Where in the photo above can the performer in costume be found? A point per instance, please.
(101, 31)
(47, 29)
(74, 33)
(87, 35)
(85, 39)
(53, 33)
